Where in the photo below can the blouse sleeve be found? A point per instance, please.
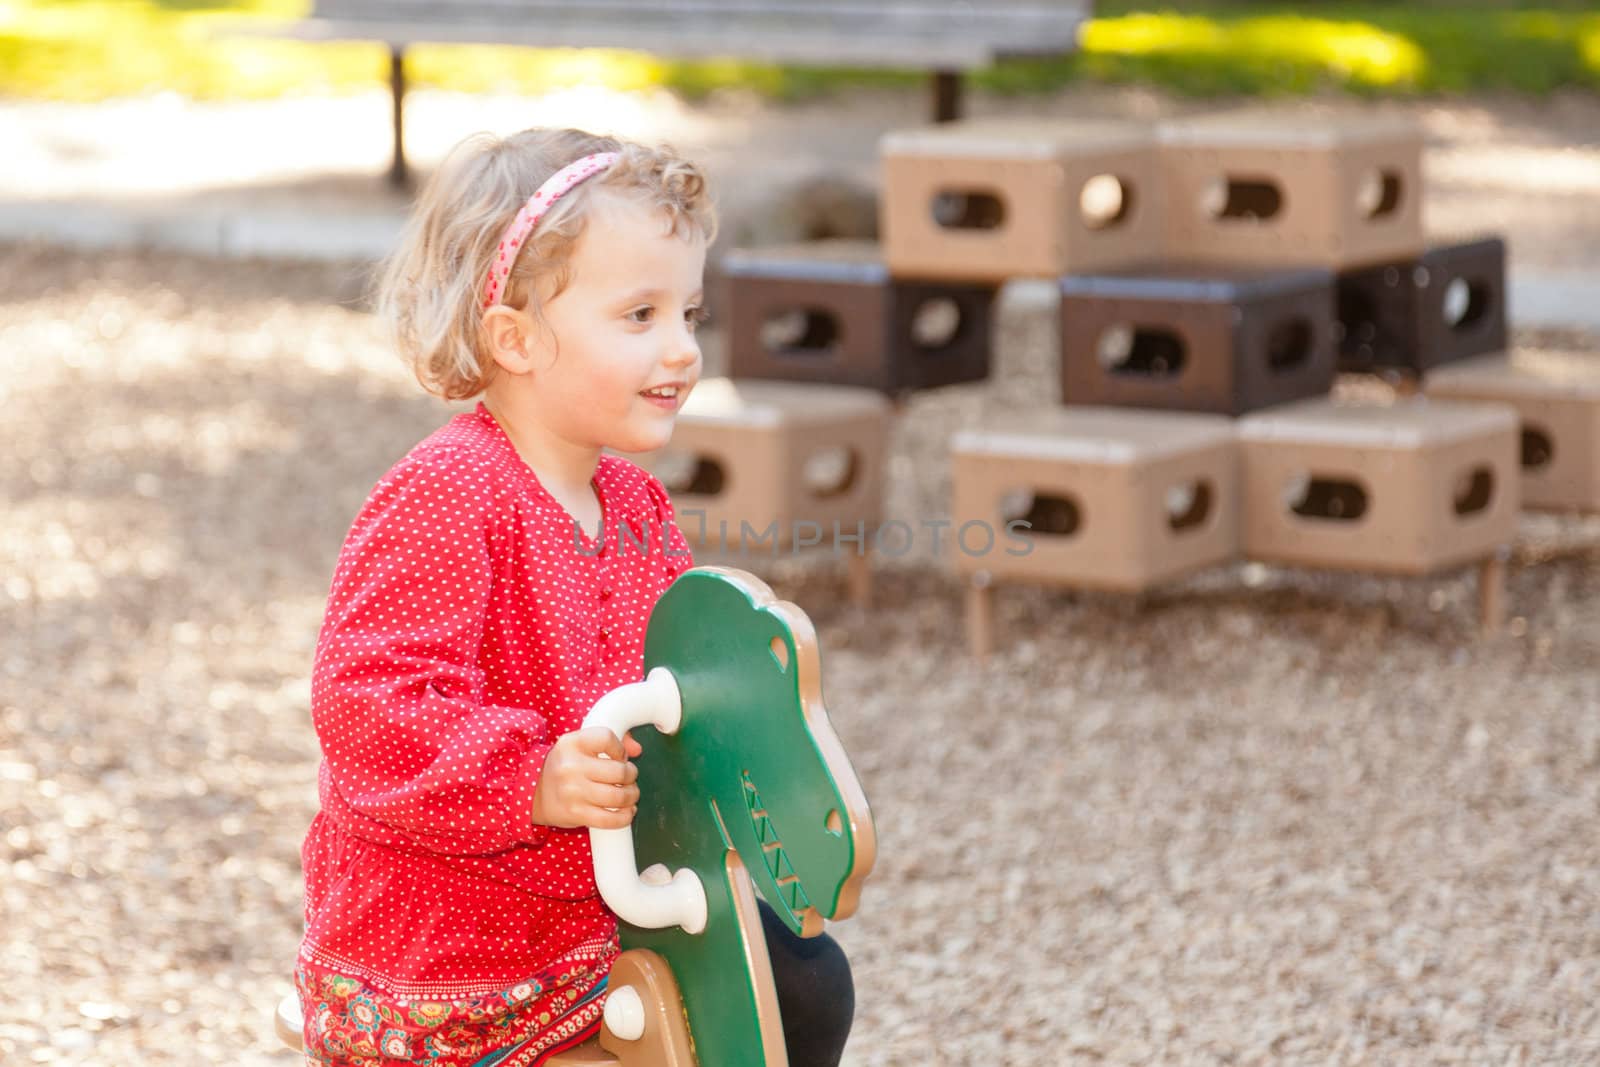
(398, 698)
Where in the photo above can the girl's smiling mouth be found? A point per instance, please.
(666, 396)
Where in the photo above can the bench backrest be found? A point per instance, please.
(880, 33)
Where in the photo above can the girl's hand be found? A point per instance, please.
(588, 781)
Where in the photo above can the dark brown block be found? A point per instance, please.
(1196, 339)
(1448, 305)
(828, 312)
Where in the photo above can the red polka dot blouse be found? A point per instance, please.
(470, 624)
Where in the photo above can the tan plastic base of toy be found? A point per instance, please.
(664, 1043)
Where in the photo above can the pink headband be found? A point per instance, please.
(554, 188)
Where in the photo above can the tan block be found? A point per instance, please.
(1271, 189)
(785, 453)
(1135, 497)
(1412, 488)
(1556, 395)
(990, 199)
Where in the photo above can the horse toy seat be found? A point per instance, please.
(745, 788)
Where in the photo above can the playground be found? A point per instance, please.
(1253, 813)
(1259, 816)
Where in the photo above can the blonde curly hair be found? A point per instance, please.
(430, 289)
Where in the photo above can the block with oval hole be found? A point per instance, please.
(1265, 189)
(991, 199)
(1412, 316)
(1197, 339)
(1113, 499)
(828, 311)
(1556, 396)
(1411, 488)
(758, 465)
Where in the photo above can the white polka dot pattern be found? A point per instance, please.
(468, 626)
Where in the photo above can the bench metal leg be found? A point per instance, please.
(399, 173)
(946, 95)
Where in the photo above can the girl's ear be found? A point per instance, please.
(510, 334)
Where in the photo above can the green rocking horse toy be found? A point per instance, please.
(743, 788)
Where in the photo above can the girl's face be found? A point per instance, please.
(619, 356)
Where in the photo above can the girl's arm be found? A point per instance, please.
(414, 746)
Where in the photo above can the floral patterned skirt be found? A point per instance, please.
(350, 1024)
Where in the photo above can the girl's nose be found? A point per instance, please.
(684, 351)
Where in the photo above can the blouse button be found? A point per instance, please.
(605, 632)
(605, 594)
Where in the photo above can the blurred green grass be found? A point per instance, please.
(98, 49)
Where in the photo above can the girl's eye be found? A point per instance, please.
(695, 316)
(641, 314)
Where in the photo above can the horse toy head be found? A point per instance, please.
(743, 789)
(756, 747)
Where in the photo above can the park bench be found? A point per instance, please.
(945, 38)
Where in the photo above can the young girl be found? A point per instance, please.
(484, 601)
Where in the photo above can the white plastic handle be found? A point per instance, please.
(682, 901)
